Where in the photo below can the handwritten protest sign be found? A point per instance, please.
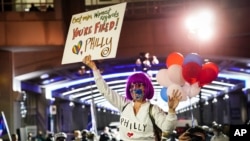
(94, 33)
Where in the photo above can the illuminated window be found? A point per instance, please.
(24, 5)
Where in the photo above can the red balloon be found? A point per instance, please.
(174, 58)
(207, 75)
(212, 66)
(191, 71)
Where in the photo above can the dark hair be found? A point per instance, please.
(14, 136)
(50, 135)
(60, 139)
(196, 129)
(217, 127)
(140, 78)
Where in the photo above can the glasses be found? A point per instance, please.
(136, 85)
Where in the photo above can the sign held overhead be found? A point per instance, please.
(94, 33)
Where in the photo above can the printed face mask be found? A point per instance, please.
(138, 94)
(137, 91)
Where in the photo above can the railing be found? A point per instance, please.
(20, 6)
(42, 5)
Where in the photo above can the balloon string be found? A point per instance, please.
(191, 111)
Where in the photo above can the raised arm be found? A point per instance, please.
(114, 98)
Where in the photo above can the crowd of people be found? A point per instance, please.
(76, 135)
(139, 119)
(202, 133)
(197, 133)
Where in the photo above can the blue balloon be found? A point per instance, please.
(164, 94)
(193, 57)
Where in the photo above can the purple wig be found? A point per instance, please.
(140, 78)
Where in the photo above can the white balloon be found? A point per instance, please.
(195, 89)
(186, 88)
(184, 96)
(173, 87)
(162, 78)
(175, 74)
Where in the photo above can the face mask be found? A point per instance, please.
(138, 93)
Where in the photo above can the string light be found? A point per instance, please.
(71, 104)
(214, 100)
(226, 97)
(146, 61)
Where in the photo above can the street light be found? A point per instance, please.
(201, 27)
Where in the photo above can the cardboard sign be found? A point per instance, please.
(94, 33)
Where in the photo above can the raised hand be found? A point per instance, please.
(87, 60)
(174, 100)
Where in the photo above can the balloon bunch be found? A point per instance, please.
(187, 74)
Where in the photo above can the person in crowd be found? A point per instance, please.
(49, 8)
(173, 136)
(61, 136)
(91, 136)
(193, 134)
(77, 135)
(115, 135)
(209, 134)
(135, 123)
(40, 136)
(218, 133)
(85, 133)
(33, 8)
(30, 137)
(50, 137)
(187, 126)
(14, 137)
(105, 135)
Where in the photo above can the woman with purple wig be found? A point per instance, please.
(135, 122)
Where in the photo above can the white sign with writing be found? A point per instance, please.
(94, 33)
